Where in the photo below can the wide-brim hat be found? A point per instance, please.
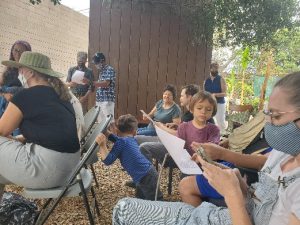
(35, 61)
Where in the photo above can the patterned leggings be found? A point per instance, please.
(131, 211)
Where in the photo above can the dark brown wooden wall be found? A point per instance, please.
(149, 47)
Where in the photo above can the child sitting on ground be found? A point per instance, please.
(126, 149)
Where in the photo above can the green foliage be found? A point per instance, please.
(55, 2)
(254, 22)
(286, 45)
(235, 22)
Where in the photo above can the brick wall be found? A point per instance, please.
(56, 31)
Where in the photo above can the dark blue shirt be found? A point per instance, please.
(214, 86)
(107, 94)
(127, 150)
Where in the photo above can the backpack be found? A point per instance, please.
(17, 210)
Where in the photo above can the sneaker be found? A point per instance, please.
(130, 183)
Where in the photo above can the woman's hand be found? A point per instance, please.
(101, 140)
(145, 117)
(225, 181)
(160, 125)
(212, 150)
(173, 126)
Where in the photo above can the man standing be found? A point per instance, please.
(105, 94)
(81, 90)
(216, 85)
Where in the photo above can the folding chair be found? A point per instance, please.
(89, 120)
(168, 162)
(79, 183)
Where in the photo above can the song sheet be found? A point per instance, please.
(175, 147)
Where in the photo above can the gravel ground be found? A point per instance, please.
(111, 189)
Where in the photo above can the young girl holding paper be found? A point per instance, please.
(203, 106)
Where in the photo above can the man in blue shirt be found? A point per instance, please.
(105, 94)
(126, 149)
(216, 85)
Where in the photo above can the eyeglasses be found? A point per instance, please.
(18, 50)
(275, 115)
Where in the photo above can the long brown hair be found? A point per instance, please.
(60, 88)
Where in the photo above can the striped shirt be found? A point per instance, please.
(126, 149)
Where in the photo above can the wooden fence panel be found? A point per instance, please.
(122, 92)
(144, 60)
(134, 50)
(173, 50)
(149, 47)
(182, 55)
(163, 48)
(152, 91)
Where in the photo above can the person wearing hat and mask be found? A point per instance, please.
(79, 89)
(216, 85)
(46, 118)
(105, 94)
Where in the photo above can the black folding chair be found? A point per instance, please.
(79, 183)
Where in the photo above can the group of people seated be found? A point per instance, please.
(44, 155)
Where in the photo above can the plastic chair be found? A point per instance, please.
(79, 183)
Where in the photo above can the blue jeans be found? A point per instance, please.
(147, 131)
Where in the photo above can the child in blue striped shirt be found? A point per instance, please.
(126, 149)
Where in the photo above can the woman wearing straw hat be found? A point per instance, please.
(46, 118)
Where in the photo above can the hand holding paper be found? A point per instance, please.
(77, 77)
(147, 116)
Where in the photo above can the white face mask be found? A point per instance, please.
(23, 80)
(99, 66)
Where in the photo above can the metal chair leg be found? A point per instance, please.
(85, 200)
(159, 176)
(170, 180)
(96, 202)
(94, 175)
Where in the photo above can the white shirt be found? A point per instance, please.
(288, 198)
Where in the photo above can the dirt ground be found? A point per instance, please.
(111, 189)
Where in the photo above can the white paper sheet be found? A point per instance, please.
(175, 147)
(77, 77)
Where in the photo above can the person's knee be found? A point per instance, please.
(185, 186)
(145, 151)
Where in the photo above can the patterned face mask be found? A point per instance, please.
(284, 138)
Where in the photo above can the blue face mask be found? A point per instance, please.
(284, 138)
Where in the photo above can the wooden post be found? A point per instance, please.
(264, 86)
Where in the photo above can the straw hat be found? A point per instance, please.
(35, 61)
